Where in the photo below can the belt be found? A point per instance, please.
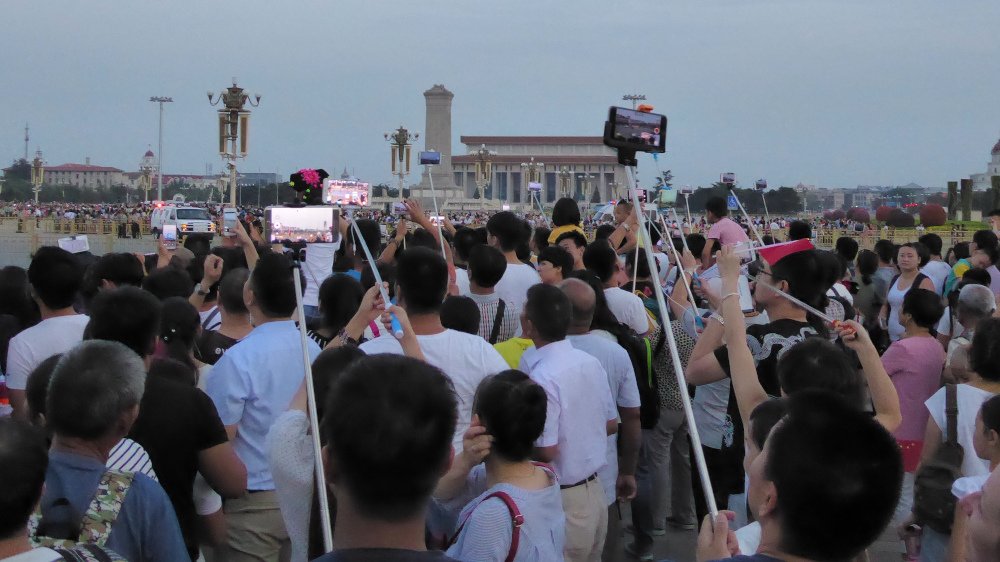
(258, 491)
(580, 483)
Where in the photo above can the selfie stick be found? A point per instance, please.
(680, 269)
(699, 455)
(430, 178)
(324, 502)
(397, 329)
(744, 211)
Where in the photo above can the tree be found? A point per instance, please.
(20, 169)
(857, 214)
(900, 219)
(932, 214)
(883, 213)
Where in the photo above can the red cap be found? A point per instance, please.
(775, 252)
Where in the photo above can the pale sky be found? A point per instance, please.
(829, 92)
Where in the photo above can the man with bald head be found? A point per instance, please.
(618, 476)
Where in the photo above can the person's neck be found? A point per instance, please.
(610, 284)
(499, 470)
(207, 305)
(769, 543)
(903, 274)
(539, 343)
(511, 257)
(14, 545)
(578, 265)
(783, 309)
(235, 326)
(426, 324)
(46, 312)
(914, 331)
(259, 319)
(937, 258)
(477, 290)
(578, 330)
(357, 531)
(98, 450)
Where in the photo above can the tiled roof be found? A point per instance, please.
(532, 140)
(80, 168)
(548, 160)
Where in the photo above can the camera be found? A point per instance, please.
(302, 225)
(633, 131)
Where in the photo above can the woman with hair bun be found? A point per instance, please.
(508, 417)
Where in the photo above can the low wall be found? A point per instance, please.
(17, 248)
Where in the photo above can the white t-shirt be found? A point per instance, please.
(513, 286)
(969, 399)
(211, 319)
(317, 266)
(39, 342)
(40, 554)
(938, 272)
(462, 280)
(710, 405)
(945, 325)
(748, 537)
(465, 358)
(624, 391)
(628, 309)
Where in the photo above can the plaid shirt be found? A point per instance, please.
(509, 325)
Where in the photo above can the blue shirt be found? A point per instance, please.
(253, 384)
(146, 529)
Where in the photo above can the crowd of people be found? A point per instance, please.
(513, 394)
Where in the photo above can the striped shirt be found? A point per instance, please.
(129, 456)
(510, 324)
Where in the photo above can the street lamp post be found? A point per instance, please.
(484, 170)
(146, 168)
(533, 177)
(633, 98)
(589, 181)
(400, 147)
(564, 177)
(37, 174)
(234, 128)
(159, 147)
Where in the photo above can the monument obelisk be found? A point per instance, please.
(437, 136)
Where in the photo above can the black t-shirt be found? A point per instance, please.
(767, 343)
(175, 423)
(210, 346)
(384, 555)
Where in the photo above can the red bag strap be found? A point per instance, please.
(516, 518)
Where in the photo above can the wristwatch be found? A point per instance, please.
(346, 339)
(198, 289)
(718, 317)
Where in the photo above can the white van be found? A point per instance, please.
(188, 220)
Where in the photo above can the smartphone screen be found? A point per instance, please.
(229, 219)
(302, 224)
(170, 236)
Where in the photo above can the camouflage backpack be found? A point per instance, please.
(94, 527)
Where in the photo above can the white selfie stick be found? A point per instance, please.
(699, 455)
(397, 328)
(324, 503)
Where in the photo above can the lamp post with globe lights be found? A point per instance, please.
(234, 128)
(587, 181)
(399, 144)
(37, 174)
(147, 166)
(484, 170)
(533, 177)
(564, 176)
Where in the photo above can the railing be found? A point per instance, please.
(73, 226)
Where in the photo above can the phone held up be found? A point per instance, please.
(169, 236)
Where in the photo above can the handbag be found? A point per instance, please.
(933, 502)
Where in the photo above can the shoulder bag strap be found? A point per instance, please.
(497, 321)
(951, 412)
(516, 519)
(105, 507)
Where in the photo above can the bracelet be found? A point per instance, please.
(718, 318)
(723, 299)
(346, 339)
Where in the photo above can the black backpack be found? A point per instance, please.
(640, 352)
(933, 502)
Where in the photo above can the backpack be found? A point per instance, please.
(933, 502)
(88, 553)
(95, 525)
(640, 352)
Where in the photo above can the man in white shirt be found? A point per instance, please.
(504, 232)
(466, 359)
(618, 476)
(55, 279)
(937, 269)
(627, 308)
(251, 385)
(580, 415)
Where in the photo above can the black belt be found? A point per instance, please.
(258, 491)
(580, 483)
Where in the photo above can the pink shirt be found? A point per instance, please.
(914, 365)
(726, 231)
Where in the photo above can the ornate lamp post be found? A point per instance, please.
(589, 181)
(234, 128)
(484, 170)
(399, 143)
(533, 177)
(147, 166)
(633, 98)
(37, 174)
(564, 176)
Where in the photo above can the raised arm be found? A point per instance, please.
(743, 371)
(883, 392)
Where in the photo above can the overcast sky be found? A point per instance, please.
(829, 92)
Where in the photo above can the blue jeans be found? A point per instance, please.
(933, 545)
